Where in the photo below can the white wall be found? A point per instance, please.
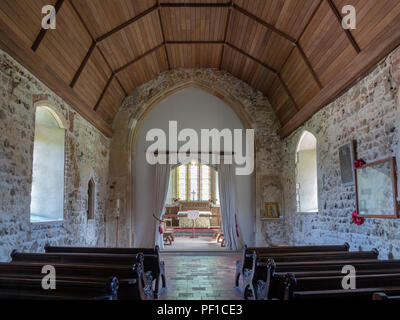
(196, 109)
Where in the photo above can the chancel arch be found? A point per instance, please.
(251, 109)
(196, 109)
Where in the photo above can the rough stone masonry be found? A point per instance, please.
(369, 114)
(87, 154)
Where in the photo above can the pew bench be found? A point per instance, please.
(130, 284)
(247, 254)
(293, 285)
(377, 296)
(260, 269)
(152, 262)
(91, 259)
(364, 294)
(31, 288)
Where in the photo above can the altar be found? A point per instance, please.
(203, 221)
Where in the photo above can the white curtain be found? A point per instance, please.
(227, 192)
(161, 183)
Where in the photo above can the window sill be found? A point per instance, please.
(46, 222)
(307, 212)
(272, 219)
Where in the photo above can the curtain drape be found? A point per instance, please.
(227, 192)
(161, 181)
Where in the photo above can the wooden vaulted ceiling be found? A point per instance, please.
(294, 51)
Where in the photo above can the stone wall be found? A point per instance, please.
(87, 155)
(369, 114)
(254, 106)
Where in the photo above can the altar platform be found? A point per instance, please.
(199, 231)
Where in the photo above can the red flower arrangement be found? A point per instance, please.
(176, 199)
(212, 200)
(359, 163)
(357, 220)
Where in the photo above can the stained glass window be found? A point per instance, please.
(216, 189)
(194, 182)
(182, 175)
(205, 182)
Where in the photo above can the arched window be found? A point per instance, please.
(194, 182)
(91, 196)
(306, 174)
(47, 195)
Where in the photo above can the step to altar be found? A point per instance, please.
(198, 232)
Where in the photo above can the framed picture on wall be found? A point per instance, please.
(376, 190)
(272, 210)
(346, 160)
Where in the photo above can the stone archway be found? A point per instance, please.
(250, 106)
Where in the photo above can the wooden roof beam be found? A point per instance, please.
(309, 66)
(103, 92)
(89, 53)
(127, 23)
(163, 33)
(252, 58)
(196, 5)
(286, 36)
(262, 22)
(42, 31)
(277, 73)
(225, 35)
(346, 31)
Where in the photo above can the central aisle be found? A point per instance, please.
(200, 276)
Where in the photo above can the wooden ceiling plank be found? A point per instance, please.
(309, 66)
(251, 57)
(14, 46)
(195, 5)
(228, 20)
(83, 64)
(265, 24)
(285, 87)
(346, 31)
(104, 91)
(309, 21)
(89, 53)
(163, 33)
(138, 58)
(127, 23)
(384, 43)
(43, 32)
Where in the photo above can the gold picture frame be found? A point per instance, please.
(272, 210)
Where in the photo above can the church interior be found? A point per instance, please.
(108, 109)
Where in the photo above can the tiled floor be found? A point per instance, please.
(200, 243)
(200, 276)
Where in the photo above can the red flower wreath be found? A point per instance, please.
(359, 163)
(357, 220)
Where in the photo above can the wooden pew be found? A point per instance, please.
(247, 254)
(152, 262)
(88, 258)
(377, 296)
(31, 288)
(130, 285)
(365, 294)
(297, 287)
(270, 286)
(259, 272)
(335, 265)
